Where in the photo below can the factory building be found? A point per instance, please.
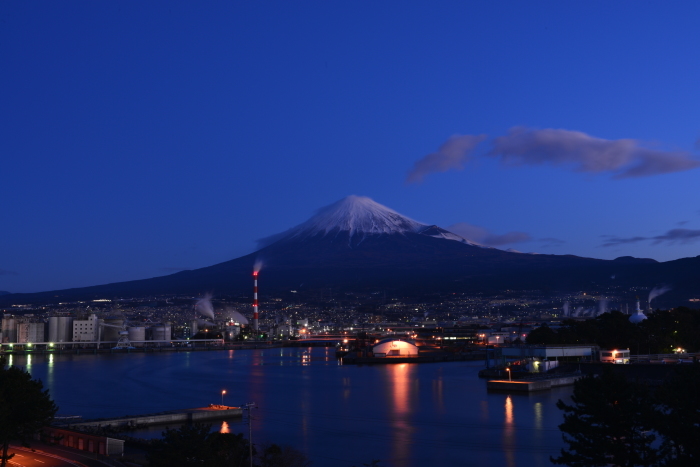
(86, 330)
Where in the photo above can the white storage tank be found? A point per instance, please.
(65, 329)
(53, 328)
(137, 334)
(60, 329)
(9, 330)
(162, 332)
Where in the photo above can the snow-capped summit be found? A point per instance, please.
(359, 214)
(356, 215)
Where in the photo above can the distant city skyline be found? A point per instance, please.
(142, 139)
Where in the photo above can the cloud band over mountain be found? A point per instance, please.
(485, 237)
(622, 158)
(672, 236)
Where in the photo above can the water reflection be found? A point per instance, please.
(484, 405)
(224, 428)
(538, 416)
(50, 369)
(400, 403)
(509, 433)
(29, 363)
(437, 394)
(509, 411)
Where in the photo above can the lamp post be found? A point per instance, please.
(222, 396)
(509, 377)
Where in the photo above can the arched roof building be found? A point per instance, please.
(395, 347)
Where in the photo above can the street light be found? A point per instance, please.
(509, 377)
(222, 396)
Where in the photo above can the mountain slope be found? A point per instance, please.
(357, 244)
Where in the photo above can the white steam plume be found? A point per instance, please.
(204, 306)
(258, 265)
(565, 309)
(602, 306)
(656, 291)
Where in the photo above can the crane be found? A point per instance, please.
(123, 343)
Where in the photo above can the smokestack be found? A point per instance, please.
(255, 301)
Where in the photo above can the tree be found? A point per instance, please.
(543, 335)
(678, 417)
(196, 445)
(608, 424)
(285, 456)
(25, 407)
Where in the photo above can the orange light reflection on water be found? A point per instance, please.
(509, 433)
(401, 383)
(509, 411)
(224, 428)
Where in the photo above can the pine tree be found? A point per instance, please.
(678, 419)
(608, 424)
(25, 407)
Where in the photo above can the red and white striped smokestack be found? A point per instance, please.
(255, 300)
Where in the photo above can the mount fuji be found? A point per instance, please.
(357, 218)
(357, 244)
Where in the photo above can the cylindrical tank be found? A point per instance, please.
(162, 332)
(53, 328)
(65, 329)
(137, 334)
(9, 330)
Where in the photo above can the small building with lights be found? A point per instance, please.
(542, 358)
(615, 356)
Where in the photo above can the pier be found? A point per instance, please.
(198, 415)
(532, 384)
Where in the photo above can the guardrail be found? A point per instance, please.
(666, 358)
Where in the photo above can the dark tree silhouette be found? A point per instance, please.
(25, 407)
(282, 456)
(195, 445)
(608, 424)
(678, 417)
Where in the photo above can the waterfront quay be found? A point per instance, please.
(197, 415)
(532, 384)
(191, 345)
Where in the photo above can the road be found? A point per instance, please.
(50, 456)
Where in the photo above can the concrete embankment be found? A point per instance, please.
(76, 348)
(432, 357)
(215, 412)
(524, 385)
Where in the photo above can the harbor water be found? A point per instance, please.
(405, 415)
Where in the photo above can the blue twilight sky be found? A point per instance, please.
(140, 138)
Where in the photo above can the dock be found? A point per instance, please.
(198, 415)
(531, 385)
(424, 357)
